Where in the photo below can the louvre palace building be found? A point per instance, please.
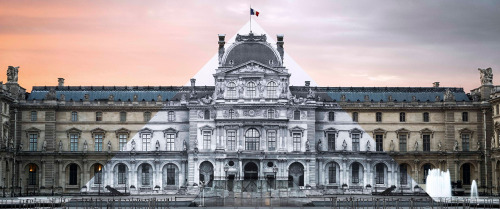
(252, 131)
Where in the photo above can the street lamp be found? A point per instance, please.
(226, 168)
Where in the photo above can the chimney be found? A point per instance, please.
(193, 81)
(279, 45)
(435, 84)
(308, 83)
(222, 38)
(60, 82)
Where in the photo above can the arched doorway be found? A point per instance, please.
(404, 176)
(170, 176)
(33, 178)
(207, 173)
(467, 173)
(121, 175)
(381, 174)
(145, 176)
(357, 173)
(97, 175)
(251, 175)
(72, 174)
(295, 175)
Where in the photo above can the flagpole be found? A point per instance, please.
(250, 18)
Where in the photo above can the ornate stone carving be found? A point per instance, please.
(111, 97)
(157, 145)
(478, 145)
(344, 145)
(440, 148)
(307, 146)
(51, 95)
(133, 145)
(448, 96)
(368, 145)
(319, 146)
(60, 146)
(391, 146)
(455, 147)
(416, 146)
(486, 76)
(12, 73)
(109, 146)
(311, 94)
(44, 146)
(206, 100)
(85, 146)
(62, 97)
(158, 98)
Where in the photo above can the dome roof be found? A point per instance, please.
(244, 51)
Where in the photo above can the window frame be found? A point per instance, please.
(123, 116)
(170, 141)
(146, 116)
(271, 140)
(98, 141)
(426, 142)
(296, 114)
(465, 116)
(252, 141)
(402, 117)
(379, 142)
(251, 90)
(355, 117)
(297, 141)
(378, 117)
(331, 116)
(74, 116)
(271, 87)
(98, 116)
(355, 143)
(426, 117)
(33, 115)
(231, 140)
(33, 141)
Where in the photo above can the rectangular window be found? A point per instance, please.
(122, 141)
(331, 142)
(33, 115)
(98, 142)
(271, 140)
(146, 141)
(296, 115)
(402, 143)
(74, 116)
(331, 116)
(465, 116)
(231, 140)
(147, 116)
(145, 175)
(378, 117)
(465, 142)
(170, 142)
(332, 174)
(426, 143)
(170, 175)
(402, 117)
(73, 142)
(121, 174)
(206, 139)
(171, 116)
(380, 174)
(296, 141)
(98, 116)
(379, 143)
(355, 142)
(426, 116)
(355, 173)
(403, 175)
(123, 116)
(33, 142)
(355, 116)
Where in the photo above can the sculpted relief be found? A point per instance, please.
(486, 76)
(12, 73)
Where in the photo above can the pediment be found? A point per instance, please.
(32, 130)
(170, 131)
(252, 67)
(122, 131)
(74, 131)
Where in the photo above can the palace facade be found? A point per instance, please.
(250, 132)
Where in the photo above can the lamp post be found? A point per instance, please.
(226, 168)
(202, 184)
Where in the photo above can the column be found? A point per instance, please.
(61, 175)
(306, 174)
(321, 172)
(182, 172)
(42, 179)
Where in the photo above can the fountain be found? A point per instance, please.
(473, 190)
(438, 183)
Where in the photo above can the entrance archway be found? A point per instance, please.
(295, 175)
(250, 177)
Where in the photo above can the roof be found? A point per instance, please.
(251, 47)
(377, 94)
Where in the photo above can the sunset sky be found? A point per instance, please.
(338, 43)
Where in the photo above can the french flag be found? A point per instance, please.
(254, 12)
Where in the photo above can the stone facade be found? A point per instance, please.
(250, 132)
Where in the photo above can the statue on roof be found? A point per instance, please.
(448, 96)
(311, 94)
(111, 97)
(486, 76)
(12, 73)
(51, 95)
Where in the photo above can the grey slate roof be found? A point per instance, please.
(247, 51)
(377, 94)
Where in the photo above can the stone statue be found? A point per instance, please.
(455, 147)
(368, 146)
(62, 97)
(311, 94)
(85, 146)
(158, 98)
(478, 144)
(183, 98)
(135, 97)
(219, 90)
(240, 89)
(344, 145)
(21, 146)
(12, 73)
(486, 76)
(157, 145)
(111, 97)
(416, 146)
(307, 145)
(86, 97)
(51, 95)
(391, 146)
(261, 89)
(133, 144)
(319, 147)
(492, 142)
(184, 145)
(44, 146)
(221, 51)
(448, 96)
(60, 146)
(109, 145)
(440, 147)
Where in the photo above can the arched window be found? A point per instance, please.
(252, 138)
(171, 174)
(231, 90)
(206, 115)
(73, 174)
(403, 174)
(356, 173)
(332, 173)
(32, 174)
(271, 90)
(251, 90)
